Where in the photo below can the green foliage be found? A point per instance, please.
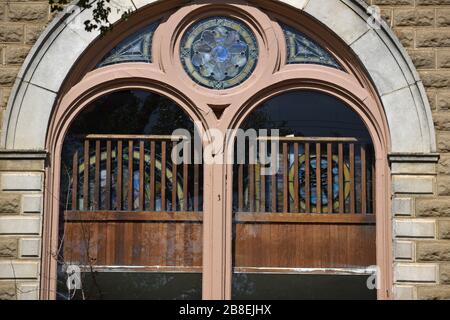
(101, 9)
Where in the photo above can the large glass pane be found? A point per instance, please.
(307, 231)
(130, 216)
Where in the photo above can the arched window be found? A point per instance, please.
(311, 223)
(131, 218)
(136, 223)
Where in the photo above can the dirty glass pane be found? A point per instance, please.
(130, 217)
(254, 286)
(308, 229)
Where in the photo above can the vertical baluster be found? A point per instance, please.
(130, 175)
(163, 175)
(341, 178)
(196, 187)
(352, 178)
(86, 176)
(262, 203)
(119, 175)
(251, 178)
(108, 175)
(241, 188)
(318, 179)
(251, 196)
(152, 175)
(307, 178)
(330, 177)
(141, 175)
(285, 178)
(75, 181)
(185, 202)
(296, 202)
(363, 180)
(196, 180)
(273, 185)
(174, 182)
(97, 176)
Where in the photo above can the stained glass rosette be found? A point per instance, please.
(219, 53)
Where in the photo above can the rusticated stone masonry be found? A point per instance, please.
(423, 27)
(21, 23)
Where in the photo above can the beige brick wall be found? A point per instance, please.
(423, 26)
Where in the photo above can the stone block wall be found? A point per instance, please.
(422, 217)
(21, 182)
(21, 23)
(20, 226)
(421, 193)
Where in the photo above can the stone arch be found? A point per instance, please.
(390, 68)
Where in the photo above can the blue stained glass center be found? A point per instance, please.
(221, 53)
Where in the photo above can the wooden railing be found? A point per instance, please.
(133, 173)
(342, 182)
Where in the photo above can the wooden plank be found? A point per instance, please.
(128, 241)
(149, 269)
(97, 175)
(341, 177)
(152, 175)
(318, 178)
(130, 175)
(163, 174)
(130, 216)
(307, 271)
(363, 180)
(111, 243)
(119, 175)
(352, 178)
(309, 139)
(307, 178)
(330, 177)
(119, 254)
(108, 175)
(134, 137)
(75, 181)
(174, 182)
(285, 178)
(141, 175)
(296, 168)
(255, 217)
(305, 245)
(86, 176)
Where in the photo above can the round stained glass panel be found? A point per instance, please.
(219, 52)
